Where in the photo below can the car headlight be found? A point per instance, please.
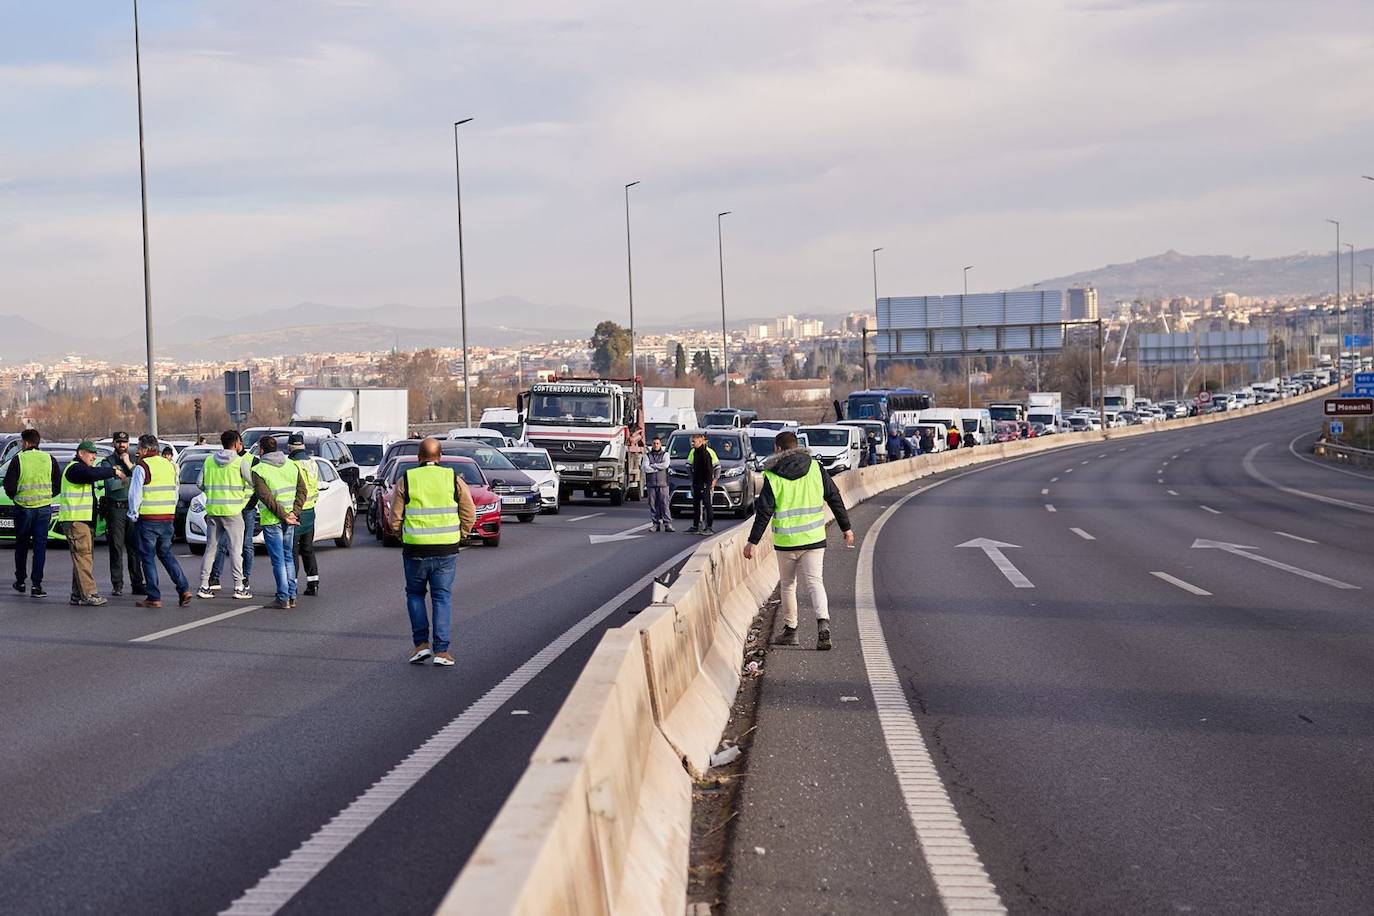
(547, 486)
(489, 509)
(677, 472)
(733, 472)
(198, 504)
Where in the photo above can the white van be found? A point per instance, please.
(977, 422)
(952, 417)
(939, 433)
(836, 447)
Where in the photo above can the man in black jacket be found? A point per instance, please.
(796, 490)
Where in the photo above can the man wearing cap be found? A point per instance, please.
(32, 479)
(76, 514)
(119, 531)
(304, 552)
(153, 505)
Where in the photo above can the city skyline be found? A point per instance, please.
(300, 153)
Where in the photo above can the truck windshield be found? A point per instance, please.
(366, 454)
(659, 431)
(572, 409)
(530, 461)
(866, 407)
(1007, 412)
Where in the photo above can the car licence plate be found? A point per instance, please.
(512, 500)
(6, 523)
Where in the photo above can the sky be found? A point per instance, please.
(302, 150)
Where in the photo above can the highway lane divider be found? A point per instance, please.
(600, 821)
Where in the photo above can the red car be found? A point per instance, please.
(1006, 431)
(488, 528)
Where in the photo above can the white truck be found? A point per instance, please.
(666, 410)
(1118, 398)
(1046, 407)
(593, 429)
(346, 410)
(508, 421)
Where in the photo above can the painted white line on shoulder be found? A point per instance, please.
(1172, 492)
(1322, 464)
(1209, 509)
(953, 862)
(1188, 449)
(1186, 586)
(283, 882)
(1083, 534)
(1295, 537)
(1049, 508)
(583, 518)
(204, 621)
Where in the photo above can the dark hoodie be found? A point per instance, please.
(794, 464)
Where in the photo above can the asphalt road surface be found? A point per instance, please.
(1160, 699)
(173, 775)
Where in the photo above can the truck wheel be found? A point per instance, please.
(617, 497)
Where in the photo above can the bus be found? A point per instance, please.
(880, 403)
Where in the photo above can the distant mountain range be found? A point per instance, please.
(1174, 274)
(316, 327)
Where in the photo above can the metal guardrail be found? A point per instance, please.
(1345, 454)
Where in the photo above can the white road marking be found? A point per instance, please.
(1322, 464)
(1083, 534)
(1172, 492)
(583, 518)
(629, 534)
(1044, 491)
(957, 871)
(1049, 508)
(1186, 586)
(1054, 480)
(1295, 537)
(1121, 450)
(1084, 461)
(283, 882)
(1103, 455)
(1249, 463)
(993, 549)
(1188, 449)
(1069, 471)
(1209, 509)
(520, 712)
(204, 621)
(1173, 457)
(1159, 480)
(1239, 550)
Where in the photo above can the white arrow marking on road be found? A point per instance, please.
(1239, 551)
(627, 535)
(994, 551)
(1295, 537)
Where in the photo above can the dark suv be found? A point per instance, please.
(734, 492)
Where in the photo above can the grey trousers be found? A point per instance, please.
(229, 527)
(658, 503)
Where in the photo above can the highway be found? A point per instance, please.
(174, 774)
(1143, 671)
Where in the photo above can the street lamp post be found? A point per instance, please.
(1340, 382)
(968, 373)
(1350, 313)
(864, 330)
(147, 270)
(724, 336)
(630, 277)
(462, 276)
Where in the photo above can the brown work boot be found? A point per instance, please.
(184, 599)
(280, 605)
(147, 602)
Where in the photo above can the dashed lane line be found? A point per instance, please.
(582, 518)
(1172, 492)
(1209, 509)
(1083, 534)
(1049, 508)
(1186, 586)
(1044, 491)
(283, 882)
(204, 621)
(951, 859)
(1285, 534)
(1054, 480)
(1254, 472)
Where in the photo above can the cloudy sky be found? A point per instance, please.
(302, 149)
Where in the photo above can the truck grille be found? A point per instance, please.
(582, 449)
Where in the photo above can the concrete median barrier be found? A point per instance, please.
(600, 821)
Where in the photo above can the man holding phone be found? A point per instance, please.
(796, 490)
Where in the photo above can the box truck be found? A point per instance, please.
(345, 410)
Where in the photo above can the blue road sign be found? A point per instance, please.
(1356, 340)
(1336, 427)
(1364, 391)
(1365, 379)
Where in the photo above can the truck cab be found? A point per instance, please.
(593, 429)
(508, 421)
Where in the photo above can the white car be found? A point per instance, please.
(538, 466)
(479, 434)
(836, 447)
(368, 449)
(334, 512)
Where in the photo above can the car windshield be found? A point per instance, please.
(970, 426)
(471, 474)
(365, 453)
(530, 461)
(827, 437)
(486, 456)
(572, 408)
(866, 406)
(190, 468)
(764, 445)
(727, 448)
(508, 430)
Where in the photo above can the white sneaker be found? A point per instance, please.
(422, 652)
(242, 594)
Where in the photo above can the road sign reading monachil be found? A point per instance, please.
(1349, 407)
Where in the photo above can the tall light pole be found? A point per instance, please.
(724, 336)
(1350, 312)
(147, 270)
(462, 275)
(1340, 383)
(864, 329)
(630, 277)
(966, 270)
(968, 373)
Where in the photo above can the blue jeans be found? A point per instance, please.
(154, 544)
(31, 530)
(279, 538)
(250, 525)
(436, 574)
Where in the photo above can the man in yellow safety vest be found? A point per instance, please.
(76, 507)
(796, 490)
(32, 479)
(281, 492)
(153, 507)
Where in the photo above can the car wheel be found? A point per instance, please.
(526, 518)
(555, 508)
(617, 497)
(198, 549)
(564, 495)
(346, 539)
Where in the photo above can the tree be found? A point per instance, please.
(610, 345)
(680, 363)
(702, 366)
(789, 366)
(761, 368)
